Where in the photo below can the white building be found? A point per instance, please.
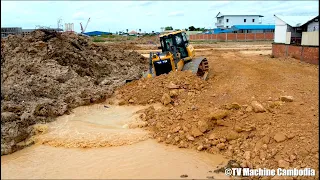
(225, 21)
(289, 29)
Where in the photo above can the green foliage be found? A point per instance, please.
(168, 28)
(108, 36)
(192, 28)
(98, 39)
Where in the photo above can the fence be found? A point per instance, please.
(233, 37)
(309, 54)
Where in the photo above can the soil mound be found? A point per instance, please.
(45, 74)
(255, 134)
(145, 91)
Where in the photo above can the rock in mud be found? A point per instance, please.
(200, 148)
(221, 146)
(247, 155)
(184, 176)
(257, 107)
(121, 102)
(232, 135)
(233, 105)
(212, 136)
(286, 98)
(166, 99)
(171, 85)
(238, 129)
(203, 126)
(283, 164)
(195, 132)
(173, 93)
(221, 122)
(218, 114)
(280, 137)
(176, 129)
(249, 109)
(189, 137)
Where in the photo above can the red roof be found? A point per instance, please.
(132, 32)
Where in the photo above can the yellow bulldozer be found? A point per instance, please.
(177, 55)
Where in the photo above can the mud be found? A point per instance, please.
(239, 112)
(137, 156)
(46, 74)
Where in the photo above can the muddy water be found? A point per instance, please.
(95, 142)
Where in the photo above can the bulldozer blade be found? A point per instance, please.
(196, 65)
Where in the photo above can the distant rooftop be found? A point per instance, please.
(238, 14)
(296, 21)
(253, 27)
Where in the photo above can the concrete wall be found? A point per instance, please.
(233, 37)
(306, 54)
(280, 31)
(310, 38)
(314, 26)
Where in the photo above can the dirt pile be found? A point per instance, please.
(47, 73)
(146, 91)
(256, 134)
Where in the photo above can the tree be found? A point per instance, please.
(168, 28)
(140, 30)
(177, 29)
(127, 30)
(186, 29)
(192, 28)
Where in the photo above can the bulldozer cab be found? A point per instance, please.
(176, 40)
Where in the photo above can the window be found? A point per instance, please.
(184, 37)
(220, 21)
(178, 40)
(245, 20)
(252, 20)
(227, 20)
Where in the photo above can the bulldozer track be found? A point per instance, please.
(198, 66)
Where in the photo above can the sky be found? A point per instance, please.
(113, 16)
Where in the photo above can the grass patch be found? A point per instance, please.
(109, 36)
(98, 39)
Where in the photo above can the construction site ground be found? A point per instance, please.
(258, 110)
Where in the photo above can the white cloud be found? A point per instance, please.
(146, 3)
(80, 16)
(176, 13)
